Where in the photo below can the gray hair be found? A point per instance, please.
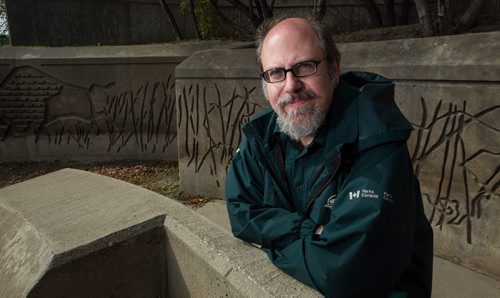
(325, 38)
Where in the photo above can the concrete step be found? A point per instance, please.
(450, 279)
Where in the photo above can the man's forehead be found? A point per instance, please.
(290, 41)
(293, 26)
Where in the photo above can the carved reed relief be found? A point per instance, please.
(210, 126)
(211, 122)
(442, 132)
(33, 102)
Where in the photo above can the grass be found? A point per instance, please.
(159, 176)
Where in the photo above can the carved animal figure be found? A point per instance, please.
(32, 101)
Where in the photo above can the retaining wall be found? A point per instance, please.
(448, 87)
(92, 103)
(77, 234)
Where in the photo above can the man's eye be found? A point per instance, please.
(304, 68)
(275, 73)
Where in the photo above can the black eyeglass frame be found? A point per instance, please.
(292, 69)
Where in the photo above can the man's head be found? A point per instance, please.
(307, 53)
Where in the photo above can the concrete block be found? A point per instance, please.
(72, 233)
(77, 234)
(217, 93)
(466, 57)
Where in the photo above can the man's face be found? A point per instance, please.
(300, 102)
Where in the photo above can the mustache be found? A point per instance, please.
(291, 97)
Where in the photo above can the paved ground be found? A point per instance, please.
(450, 280)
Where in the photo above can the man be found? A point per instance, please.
(323, 181)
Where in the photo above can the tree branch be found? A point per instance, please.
(469, 18)
(424, 18)
(320, 10)
(175, 28)
(373, 12)
(246, 11)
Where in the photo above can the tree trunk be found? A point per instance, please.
(444, 18)
(469, 17)
(267, 10)
(405, 13)
(374, 13)
(424, 18)
(390, 13)
(175, 28)
(320, 9)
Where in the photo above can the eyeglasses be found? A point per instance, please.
(302, 69)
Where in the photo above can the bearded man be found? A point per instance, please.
(323, 181)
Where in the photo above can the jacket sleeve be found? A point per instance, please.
(368, 241)
(254, 211)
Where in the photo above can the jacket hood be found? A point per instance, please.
(363, 112)
(379, 118)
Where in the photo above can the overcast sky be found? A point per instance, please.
(3, 22)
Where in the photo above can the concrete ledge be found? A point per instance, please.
(448, 58)
(72, 232)
(171, 50)
(220, 63)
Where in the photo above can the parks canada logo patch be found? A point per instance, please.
(370, 194)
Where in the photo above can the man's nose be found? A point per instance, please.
(292, 83)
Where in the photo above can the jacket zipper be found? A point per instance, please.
(336, 166)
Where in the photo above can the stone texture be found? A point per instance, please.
(72, 233)
(78, 234)
(446, 86)
(93, 103)
(467, 57)
(211, 107)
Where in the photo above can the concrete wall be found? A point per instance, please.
(447, 87)
(77, 234)
(92, 103)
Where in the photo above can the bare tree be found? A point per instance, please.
(469, 18)
(195, 20)
(444, 18)
(443, 23)
(374, 13)
(404, 18)
(320, 10)
(390, 13)
(171, 19)
(424, 18)
(256, 10)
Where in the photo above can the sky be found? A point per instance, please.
(3, 29)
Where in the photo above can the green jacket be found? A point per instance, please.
(356, 179)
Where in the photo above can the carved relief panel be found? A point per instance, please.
(44, 110)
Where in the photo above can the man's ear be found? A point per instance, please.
(336, 70)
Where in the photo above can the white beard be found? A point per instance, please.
(313, 116)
